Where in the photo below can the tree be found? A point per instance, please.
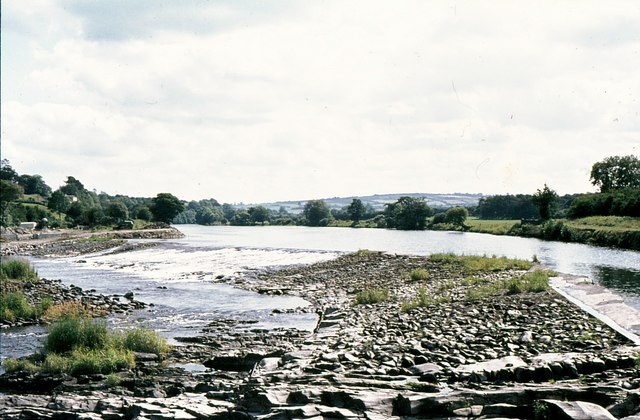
(241, 218)
(316, 213)
(165, 207)
(408, 213)
(9, 192)
(118, 211)
(72, 187)
(143, 213)
(34, 184)
(356, 210)
(457, 216)
(259, 214)
(59, 202)
(616, 172)
(7, 173)
(544, 200)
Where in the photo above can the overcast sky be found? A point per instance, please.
(258, 101)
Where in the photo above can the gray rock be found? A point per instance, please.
(576, 410)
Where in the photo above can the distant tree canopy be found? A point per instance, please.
(408, 213)
(165, 207)
(356, 210)
(544, 200)
(457, 216)
(316, 213)
(7, 173)
(613, 203)
(259, 214)
(59, 202)
(34, 184)
(118, 211)
(616, 173)
(507, 207)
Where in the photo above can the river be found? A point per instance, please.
(178, 276)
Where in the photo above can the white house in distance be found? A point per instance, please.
(28, 225)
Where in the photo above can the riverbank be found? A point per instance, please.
(71, 242)
(610, 231)
(451, 354)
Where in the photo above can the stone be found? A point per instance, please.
(577, 410)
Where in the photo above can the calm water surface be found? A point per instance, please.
(178, 276)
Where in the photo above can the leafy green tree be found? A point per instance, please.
(316, 212)
(241, 218)
(118, 211)
(34, 184)
(9, 192)
(59, 202)
(616, 172)
(408, 213)
(143, 213)
(72, 187)
(457, 216)
(76, 213)
(7, 173)
(165, 207)
(228, 211)
(356, 210)
(259, 214)
(93, 216)
(544, 200)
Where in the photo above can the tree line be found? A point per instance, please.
(29, 198)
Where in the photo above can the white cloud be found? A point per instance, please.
(257, 101)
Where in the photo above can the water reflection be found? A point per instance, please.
(625, 280)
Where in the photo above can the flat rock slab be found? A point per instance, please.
(578, 410)
(494, 365)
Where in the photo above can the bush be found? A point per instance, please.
(145, 341)
(419, 274)
(19, 365)
(70, 334)
(105, 361)
(371, 296)
(14, 305)
(72, 309)
(17, 270)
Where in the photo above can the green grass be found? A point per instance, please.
(419, 274)
(371, 296)
(423, 300)
(17, 270)
(13, 306)
(534, 282)
(144, 341)
(82, 347)
(494, 227)
(607, 223)
(69, 334)
(474, 264)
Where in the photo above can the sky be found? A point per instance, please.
(259, 101)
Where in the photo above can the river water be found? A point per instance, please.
(178, 275)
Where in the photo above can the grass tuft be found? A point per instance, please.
(419, 274)
(370, 296)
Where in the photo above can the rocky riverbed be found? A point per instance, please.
(526, 355)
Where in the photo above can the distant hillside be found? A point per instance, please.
(378, 201)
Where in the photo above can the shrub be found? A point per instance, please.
(423, 300)
(68, 310)
(14, 305)
(70, 334)
(145, 341)
(17, 270)
(112, 380)
(55, 363)
(105, 361)
(370, 296)
(19, 365)
(419, 274)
